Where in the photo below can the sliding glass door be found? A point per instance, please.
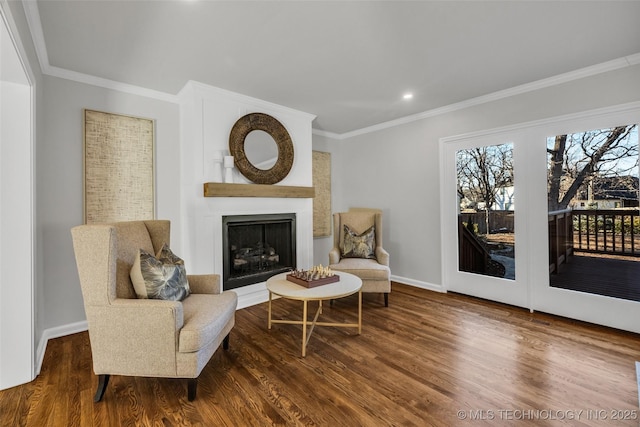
(559, 199)
(593, 222)
(481, 213)
(594, 226)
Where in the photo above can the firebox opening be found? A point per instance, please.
(255, 247)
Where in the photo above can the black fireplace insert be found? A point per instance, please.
(255, 247)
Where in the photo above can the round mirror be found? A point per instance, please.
(253, 153)
(261, 149)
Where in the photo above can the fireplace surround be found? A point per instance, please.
(255, 247)
(209, 115)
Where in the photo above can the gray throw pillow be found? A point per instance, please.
(359, 245)
(160, 277)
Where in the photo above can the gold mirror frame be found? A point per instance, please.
(270, 125)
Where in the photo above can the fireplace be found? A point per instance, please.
(255, 247)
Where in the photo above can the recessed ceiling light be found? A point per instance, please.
(407, 96)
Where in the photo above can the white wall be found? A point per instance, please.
(16, 235)
(19, 81)
(14, 12)
(397, 169)
(208, 116)
(322, 245)
(60, 178)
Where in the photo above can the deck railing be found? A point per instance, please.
(560, 238)
(612, 231)
(473, 257)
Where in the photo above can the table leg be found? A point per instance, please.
(359, 312)
(304, 329)
(269, 310)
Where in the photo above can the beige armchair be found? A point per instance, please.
(146, 337)
(374, 271)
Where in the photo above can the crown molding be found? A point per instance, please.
(9, 22)
(110, 84)
(35, 27)
(616, 110)
(326, 134)
(32, 13)
(215, 93)
(593, 70)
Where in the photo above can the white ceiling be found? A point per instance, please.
(348, 62)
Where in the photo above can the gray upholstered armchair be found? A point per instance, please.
(146, 337)
(373, 270)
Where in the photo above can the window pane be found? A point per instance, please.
(594, 223)
(486, 239)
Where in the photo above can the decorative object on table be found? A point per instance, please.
(315, 276)
(118, 168)
(228, 169)
(270, 125)
(217, 167)
(321, 165)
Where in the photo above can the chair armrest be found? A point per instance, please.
(135, 336)
(141, 310)
(204, 283)
(334, 256)
(382, 256)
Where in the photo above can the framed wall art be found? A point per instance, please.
(322, 201)
(118, 168)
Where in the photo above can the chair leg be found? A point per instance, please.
(225, 342)
(192, 386)
(103, 381)
(386, 299)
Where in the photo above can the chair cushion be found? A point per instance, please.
(205, 316)
(360, 245)
(365, 269)
(160, 277)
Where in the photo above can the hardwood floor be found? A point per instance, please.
(427, 359)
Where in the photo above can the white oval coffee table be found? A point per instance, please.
(347, 285)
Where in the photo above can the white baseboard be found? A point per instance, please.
(56, 332)
(418, 284)
(252, 294)
(247, 296)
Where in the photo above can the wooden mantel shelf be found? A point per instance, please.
(216, 189)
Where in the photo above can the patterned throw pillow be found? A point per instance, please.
(359, 245)
(160, 277)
